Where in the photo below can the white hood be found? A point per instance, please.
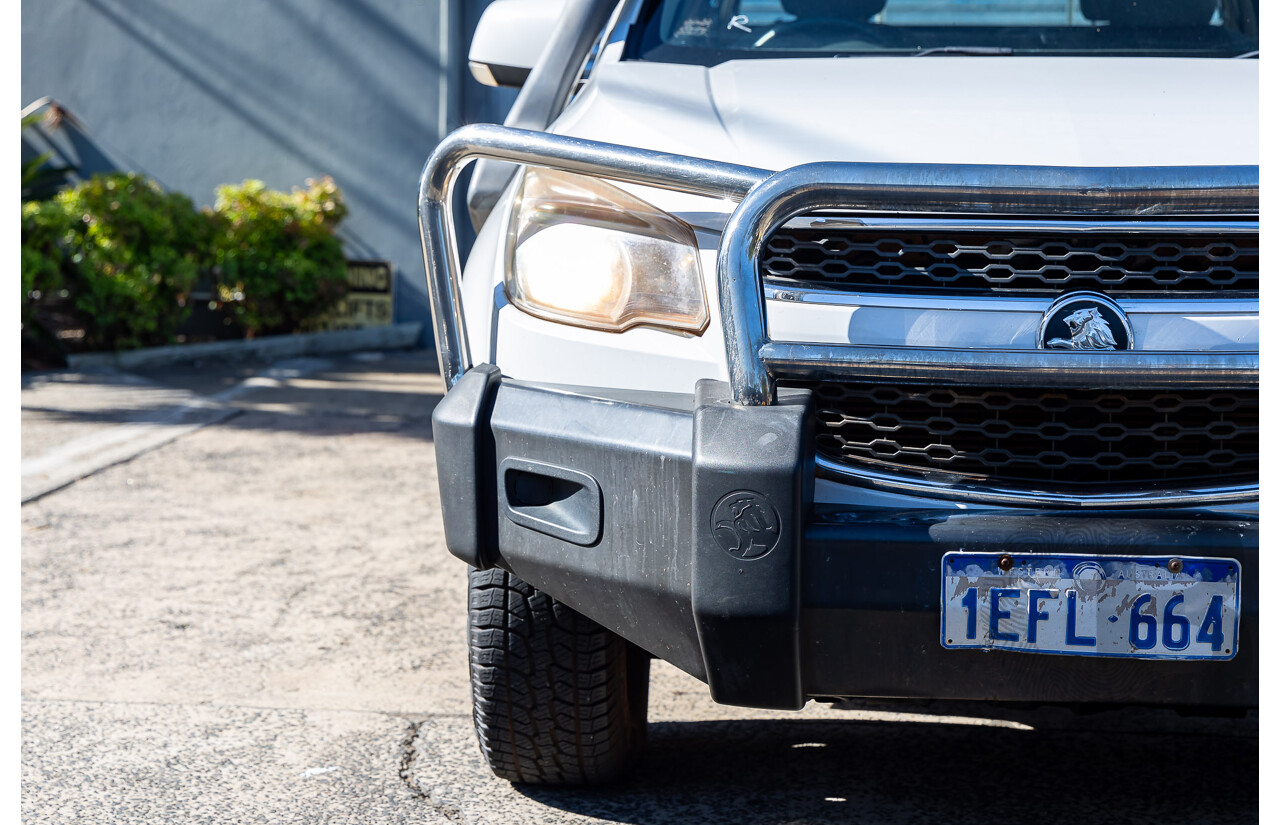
(1057, 111)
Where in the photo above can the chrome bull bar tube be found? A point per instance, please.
(768, 200)
(588, 157)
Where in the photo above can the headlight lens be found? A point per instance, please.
(583, 252)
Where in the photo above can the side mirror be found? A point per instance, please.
(510, 38)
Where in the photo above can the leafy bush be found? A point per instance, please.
(137, 251)
(42, 279)
(43, 224)
(126, 251)
(279, 266)
(127, 255)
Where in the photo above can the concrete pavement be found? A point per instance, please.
(257, 621)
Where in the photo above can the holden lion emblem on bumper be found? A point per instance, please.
(1085, 321)
(745, 524)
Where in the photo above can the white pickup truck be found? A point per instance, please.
(850, 348)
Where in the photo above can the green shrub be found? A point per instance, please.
(128, 253)
(43, 277)
(44, 224)
(279, 267)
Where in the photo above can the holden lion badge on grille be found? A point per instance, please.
(1085, 321)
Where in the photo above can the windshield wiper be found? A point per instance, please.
(975, 50)
(1247, 55)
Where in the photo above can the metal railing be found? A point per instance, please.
(767, 200)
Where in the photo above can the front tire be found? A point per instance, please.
(556, 698)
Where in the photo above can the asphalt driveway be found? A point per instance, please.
(242, 610)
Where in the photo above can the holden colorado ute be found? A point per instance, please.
(850, 348)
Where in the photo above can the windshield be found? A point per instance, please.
(708, 32)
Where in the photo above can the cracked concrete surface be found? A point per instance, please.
(258, 622)
(409, 768)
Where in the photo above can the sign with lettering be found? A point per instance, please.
(369, 297)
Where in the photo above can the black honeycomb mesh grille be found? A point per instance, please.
(1012, 262)
(1071, 438)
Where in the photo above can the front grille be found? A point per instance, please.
(1082, 440)
(1028, 262)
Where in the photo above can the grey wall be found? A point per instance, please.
(198, 93)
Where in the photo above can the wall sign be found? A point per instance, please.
(369, 297)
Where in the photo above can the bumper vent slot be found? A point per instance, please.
(1082, 441)
(1034, 262)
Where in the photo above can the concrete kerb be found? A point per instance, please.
(269, 348)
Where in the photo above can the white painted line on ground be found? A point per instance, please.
(63, 454)
(133, 440)
(82, 457)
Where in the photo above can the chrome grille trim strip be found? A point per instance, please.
(1064, 368)
(940, 486)
(959, 224)
(1214, 305)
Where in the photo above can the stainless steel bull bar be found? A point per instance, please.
(769, 199)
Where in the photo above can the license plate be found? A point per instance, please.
(1143, 607)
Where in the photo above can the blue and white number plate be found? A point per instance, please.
(1144, 607)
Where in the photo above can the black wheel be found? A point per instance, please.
(556, 698)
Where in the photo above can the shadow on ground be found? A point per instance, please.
(393, 394)
(839, 771)
(291, 410)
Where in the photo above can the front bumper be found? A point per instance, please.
(612, 504)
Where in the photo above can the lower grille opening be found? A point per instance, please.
(1078, 440)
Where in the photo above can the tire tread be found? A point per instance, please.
(556, 698)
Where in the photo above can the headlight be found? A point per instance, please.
(583, 252)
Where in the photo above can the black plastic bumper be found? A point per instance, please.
(687, 526)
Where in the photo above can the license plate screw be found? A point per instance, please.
(1175, 565)
(1005, 563)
